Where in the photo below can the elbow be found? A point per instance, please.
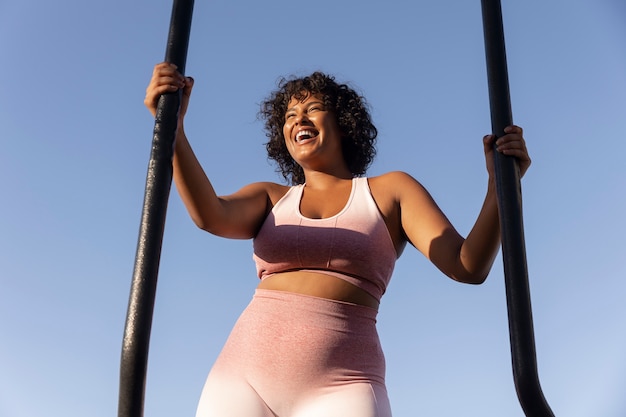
(205, 225)
(470, 277)
(200, 222)
(210, 227)
(477, 279)
(210, 222)
(224, 229)
(472, 271)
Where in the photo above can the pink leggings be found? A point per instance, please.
(293, 355)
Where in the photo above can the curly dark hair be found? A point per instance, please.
(350, 109)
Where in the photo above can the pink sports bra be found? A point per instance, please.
(353, 245)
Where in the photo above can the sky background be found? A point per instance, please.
(75, 140)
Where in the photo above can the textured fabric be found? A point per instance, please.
(353, 245)
(294, 355)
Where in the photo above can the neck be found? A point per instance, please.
(324, 180)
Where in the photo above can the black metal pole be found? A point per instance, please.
(133, 366)
(524, 358)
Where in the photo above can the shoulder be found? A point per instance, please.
(390, 189)
(270, 190)
(398, 190)
(396, 183)
(392, 176)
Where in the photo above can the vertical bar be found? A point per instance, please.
(509, 194)
(134, 360)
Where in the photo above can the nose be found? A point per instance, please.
(302, 118)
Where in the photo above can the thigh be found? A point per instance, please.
(231, 398)
(360, 399)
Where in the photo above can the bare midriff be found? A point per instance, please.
(318, 285)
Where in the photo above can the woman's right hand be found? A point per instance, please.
(167, 79)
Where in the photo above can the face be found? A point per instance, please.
(311, 132)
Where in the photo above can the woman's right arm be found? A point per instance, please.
(238, 215)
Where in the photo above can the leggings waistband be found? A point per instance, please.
(317, 305)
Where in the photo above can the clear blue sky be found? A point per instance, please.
(75, 141)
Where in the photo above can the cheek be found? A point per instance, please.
(286, 144)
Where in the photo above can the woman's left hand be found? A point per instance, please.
(511, 144)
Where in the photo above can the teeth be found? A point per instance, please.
(304, 134)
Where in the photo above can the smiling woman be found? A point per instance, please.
(325, 248)
(349, 109)
(310, 129)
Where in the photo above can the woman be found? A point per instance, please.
(325, 248)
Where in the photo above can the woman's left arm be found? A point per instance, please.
(482, 243)
(469, 259)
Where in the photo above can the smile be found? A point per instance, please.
(305, 134)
